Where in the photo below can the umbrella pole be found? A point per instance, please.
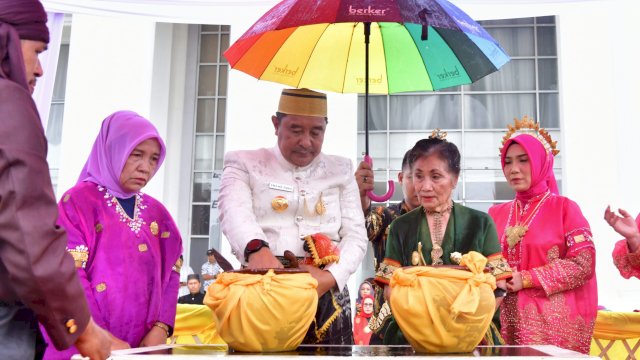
(367, 33)
(370, 194)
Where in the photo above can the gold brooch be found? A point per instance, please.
(154, 228)
(279, 203)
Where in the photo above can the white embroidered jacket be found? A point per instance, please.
(251, 179)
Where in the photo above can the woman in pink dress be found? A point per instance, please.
(124, 242)
(626, 254)
(552, 297)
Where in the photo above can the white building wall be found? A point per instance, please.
(110, 69)
(116, 69)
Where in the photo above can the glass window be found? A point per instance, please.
(56, 111)
(208, 150)
(495, 111)
(417, 112)
(517, 74)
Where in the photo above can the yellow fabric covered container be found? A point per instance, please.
(444, 309)
(263, 312)
(195, 324)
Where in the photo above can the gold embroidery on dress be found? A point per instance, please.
(80, 255)
(66, 198)
(154, 228)
(553, 325)
(574, 272)
(165, 234)
(142, 247)
(98, 228)
(101, 287)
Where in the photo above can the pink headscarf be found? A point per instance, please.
(541, 161)
(120, 133)
(19, 19)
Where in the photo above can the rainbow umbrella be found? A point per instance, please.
(367, 46)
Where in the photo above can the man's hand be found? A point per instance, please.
(364, 178)
(624, 225)
(94, 342)
(325, 279)
(155, 336)
(263, 259)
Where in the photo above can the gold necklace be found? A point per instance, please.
(516, 232)
(438, 234)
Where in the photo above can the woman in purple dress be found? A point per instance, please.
(124, 243)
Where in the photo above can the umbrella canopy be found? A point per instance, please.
(415, 45)
(367, 46)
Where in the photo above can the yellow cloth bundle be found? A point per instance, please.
(194, 325)
(263, 313)
(443, 310)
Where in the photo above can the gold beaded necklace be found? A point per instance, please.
(516, 232)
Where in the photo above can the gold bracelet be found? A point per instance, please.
(162, 326)
(527, 279)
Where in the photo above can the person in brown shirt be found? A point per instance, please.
(38, 279)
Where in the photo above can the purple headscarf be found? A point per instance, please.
(19, 19)
(120, 133)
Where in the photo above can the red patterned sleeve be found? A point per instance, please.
(628, 263)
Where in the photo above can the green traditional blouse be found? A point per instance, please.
(467, 230)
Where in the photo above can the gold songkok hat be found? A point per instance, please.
(303, 102)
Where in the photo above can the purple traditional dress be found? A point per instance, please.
(126, 263)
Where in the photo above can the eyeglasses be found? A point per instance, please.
(367, 305)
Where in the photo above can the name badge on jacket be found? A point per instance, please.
(282, 187)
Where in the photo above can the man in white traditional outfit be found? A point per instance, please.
(270, 199)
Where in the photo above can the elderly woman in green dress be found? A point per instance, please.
(429, 234)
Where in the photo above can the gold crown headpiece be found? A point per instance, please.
(438, 134)
(529, 126)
